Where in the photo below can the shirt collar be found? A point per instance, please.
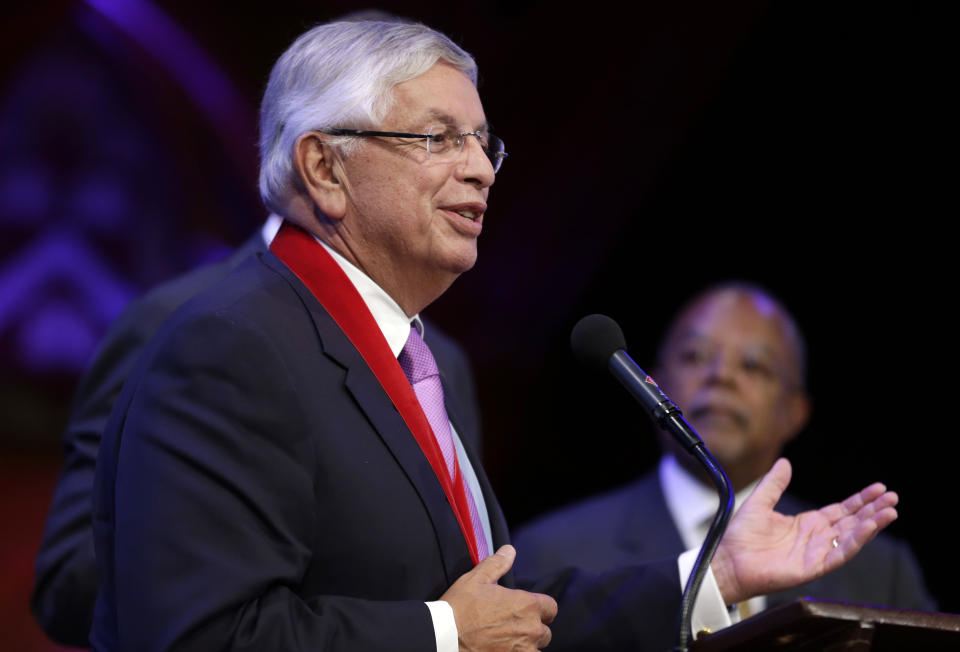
(692, 504)
(393, 322)
(270, 227)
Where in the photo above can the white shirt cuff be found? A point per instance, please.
(445, 627)
(709, 611)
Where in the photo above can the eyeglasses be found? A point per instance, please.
(443, 143)
(753, 363)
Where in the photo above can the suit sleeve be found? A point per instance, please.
(909, 590)
(65, 584)
(205, 517)
(633, 608)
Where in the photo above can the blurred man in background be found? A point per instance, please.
(734, 362)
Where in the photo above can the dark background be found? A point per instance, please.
(654, 150)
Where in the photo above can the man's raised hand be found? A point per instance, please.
(764, 551)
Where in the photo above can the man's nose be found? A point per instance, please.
(721, 367)
(475, 166)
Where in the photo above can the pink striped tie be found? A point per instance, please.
(421, 370)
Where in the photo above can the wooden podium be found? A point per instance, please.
(807, 625)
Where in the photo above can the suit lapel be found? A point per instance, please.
(376, 405)
(371, 398)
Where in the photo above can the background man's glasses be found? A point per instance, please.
(443, 143)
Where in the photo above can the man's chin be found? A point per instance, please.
(462, 260)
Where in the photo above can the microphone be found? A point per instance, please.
(598, 342)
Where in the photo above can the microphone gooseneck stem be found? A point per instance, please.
(709, 547)
(668, 416)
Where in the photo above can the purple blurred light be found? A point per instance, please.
(56, 337)
(58, 269)
(176, 51)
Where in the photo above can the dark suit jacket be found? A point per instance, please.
(632, 524)
(65, 584)
(256, 489)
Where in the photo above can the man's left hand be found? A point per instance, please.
(764, 551)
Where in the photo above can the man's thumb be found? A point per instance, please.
(496, 565)
(773, 484)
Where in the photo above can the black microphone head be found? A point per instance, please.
(594, 339)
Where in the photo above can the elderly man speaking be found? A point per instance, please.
(282, 471)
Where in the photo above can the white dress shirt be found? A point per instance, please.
(692, 506)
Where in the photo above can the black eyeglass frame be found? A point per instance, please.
(495, 155)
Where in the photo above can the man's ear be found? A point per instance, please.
(798, 413)
(315, 163)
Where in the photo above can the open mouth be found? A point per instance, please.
(472, 211)
(470, 215)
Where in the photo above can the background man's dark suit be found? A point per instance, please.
(65, 585)
(632, 524)
(269, 439)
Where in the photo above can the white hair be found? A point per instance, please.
(340, 74)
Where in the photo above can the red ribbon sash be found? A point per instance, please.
(317, 269)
